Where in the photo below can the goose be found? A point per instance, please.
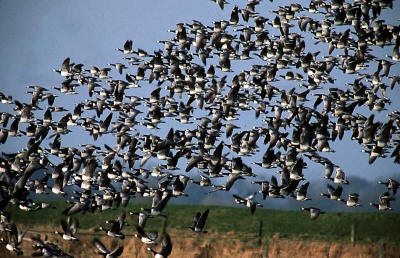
(274, 189)
(248, 201)
(14, 239)
(160, 200)
(66, 69)
(6, 99)
(105, 252)
(333, 193)
(391, 184)
(287, 185)
(127, 47)
(142, 218)
(302, 192)
(232, 178)
(264, 187)
(204, 181)
(352, 201)
(46, 248)
(384, 202)
(119, 66)
(144, 237)
(340, 177)
(179, 185)
(313, 211)
(166, 247)
(14, 127)
(116, 227)
(76, 207)
(199, 222)
(69, 229)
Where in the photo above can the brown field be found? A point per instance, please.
(188, 244)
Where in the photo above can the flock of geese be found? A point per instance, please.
(193, 88)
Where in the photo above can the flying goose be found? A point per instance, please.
(66, 69)
(248, 201)
(116, 226)
(313, 211)
(352, 201)
(142, 218)
(119, 66)
(69, 228)
(384, 202)
(301, 193)
(179, 185)
(333, 193)
(14, 239)
(127, 47)
(340, 177)
(46, 248)
(199, 222)
(166, 247)
(160, 200)
(146, 238)
(391, 184)
(264, 187)
(232, 178)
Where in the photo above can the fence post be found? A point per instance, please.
(207, 250)
(382, 250)
(164, 226)
(266, 246)
(260, 229)
(352, 234)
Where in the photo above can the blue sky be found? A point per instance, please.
(38, 35)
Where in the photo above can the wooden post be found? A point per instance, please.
(352, 234)
(260, 229)
(266, 245)
(208, 250)
(164, 227)
(382, 250)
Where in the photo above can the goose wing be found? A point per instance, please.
(166, 245)
(202, 220)
(100, 246)
(196, 219)
(65, 226)
(74, 226)
(303, 188)
(117, 251)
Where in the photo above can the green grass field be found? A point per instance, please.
(333, 226)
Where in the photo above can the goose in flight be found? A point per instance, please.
(232, 178)
(340, 177)
(391, 184)
(199, 222)
(166, 247)
(333, 193)
(352, 200)
(14, 237)
(248, 201)
(116, 226)
(301, 192)
(384, 202)
(69, 229)
(314, 212)
(146, 238)
(142, 217)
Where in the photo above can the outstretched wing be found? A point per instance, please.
(166, 245)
